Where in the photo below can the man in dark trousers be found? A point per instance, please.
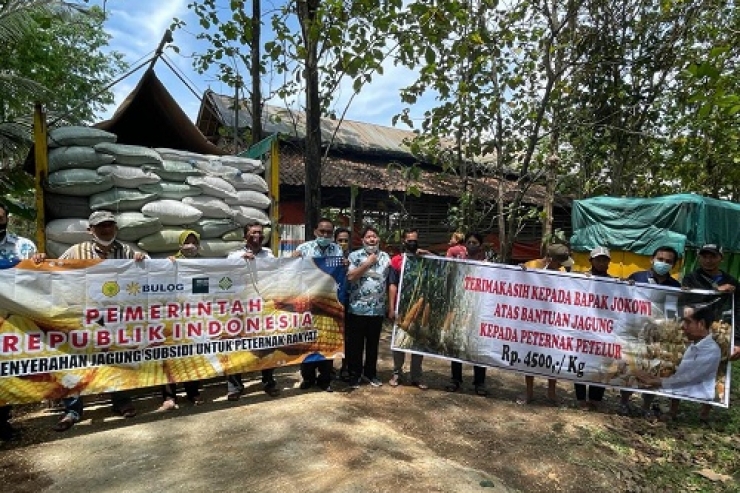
(709, 276)
(661, 263)
(600, 259)
(322, 246)
(13, 249)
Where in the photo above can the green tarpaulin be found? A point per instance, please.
(636, 225)
(259, 149)
(685, 222)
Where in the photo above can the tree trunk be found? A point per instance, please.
(255, 66)
(312, 152)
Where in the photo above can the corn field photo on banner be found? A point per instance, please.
(603, 331)
(92, 326)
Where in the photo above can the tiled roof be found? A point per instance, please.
(343, 172)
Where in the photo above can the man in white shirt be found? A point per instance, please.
(253, 249)
(697, 372)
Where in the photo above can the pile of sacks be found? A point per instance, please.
(155, 194)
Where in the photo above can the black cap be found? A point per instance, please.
(711, 248)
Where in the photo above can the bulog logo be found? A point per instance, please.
(134, 288)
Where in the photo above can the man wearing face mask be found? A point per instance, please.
(662, 261)
(368, 299)
(322, 246)
(13, 249)
(251, 251)
(103, 228)
(411, 251)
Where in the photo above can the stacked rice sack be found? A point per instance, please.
(154, 193)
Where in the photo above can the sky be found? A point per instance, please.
(137, 26)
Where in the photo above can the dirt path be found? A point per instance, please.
(384, 439)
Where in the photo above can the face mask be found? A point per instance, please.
(189, 250)
(370, 248)
(104, 243)
(3, 228)
(473, 248)
(661, 268)
(323, 241)
(411, 246)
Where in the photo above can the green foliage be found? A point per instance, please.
(348, 39)
(52, 53)
(586, 96)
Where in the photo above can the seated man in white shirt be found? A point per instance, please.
(697, 372)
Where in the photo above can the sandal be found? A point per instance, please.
(453, 387)
(395, 380)
(420, 385)
(65, 423)
(168, 405)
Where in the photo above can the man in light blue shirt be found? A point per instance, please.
(13, 249)
(322, 246)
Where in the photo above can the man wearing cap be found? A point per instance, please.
(709, 276)
(103, 245)
(599, 259)
(13, 249)
(662, 261)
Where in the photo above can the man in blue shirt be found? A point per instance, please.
(13, 249)
(661, 263)
(322, 246)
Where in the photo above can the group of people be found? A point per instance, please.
(374, 278)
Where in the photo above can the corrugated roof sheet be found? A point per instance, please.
(350, 135)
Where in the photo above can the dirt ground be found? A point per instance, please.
(366, 440)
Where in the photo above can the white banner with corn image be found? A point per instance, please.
(603, 331)
(93, 326)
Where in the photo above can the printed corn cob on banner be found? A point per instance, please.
(92, 326)
(568, 326)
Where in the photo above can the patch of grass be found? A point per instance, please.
(668, 458)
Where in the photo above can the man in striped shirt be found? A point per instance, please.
(103, 245)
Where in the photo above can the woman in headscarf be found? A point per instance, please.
(189, 248)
